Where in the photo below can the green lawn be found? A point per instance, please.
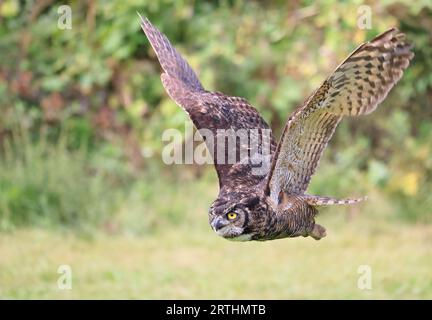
(192, 262)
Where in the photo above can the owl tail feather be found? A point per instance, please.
(329, 201)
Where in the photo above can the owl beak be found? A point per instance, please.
(218, 224)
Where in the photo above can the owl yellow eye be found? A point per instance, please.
(232, 215)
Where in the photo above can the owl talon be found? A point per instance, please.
(318, 232)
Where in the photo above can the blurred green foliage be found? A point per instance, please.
(83, 110)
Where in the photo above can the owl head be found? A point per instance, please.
(233, 217)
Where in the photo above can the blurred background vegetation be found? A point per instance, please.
(83, 110)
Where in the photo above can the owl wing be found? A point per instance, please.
(212, 112)
(355, 88)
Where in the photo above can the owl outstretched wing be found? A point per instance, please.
(355, 88)
(214, 112)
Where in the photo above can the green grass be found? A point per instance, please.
(44, 184)
(146, 235)
(191, 262)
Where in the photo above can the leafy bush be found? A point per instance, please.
(100, 82)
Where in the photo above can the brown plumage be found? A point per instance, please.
(271, 203)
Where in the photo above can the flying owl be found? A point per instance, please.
(271, 203)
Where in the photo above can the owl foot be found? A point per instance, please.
(318, 232)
